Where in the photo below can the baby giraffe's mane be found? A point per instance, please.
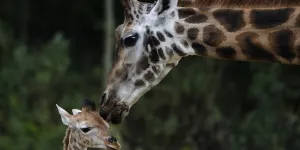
(66, 139)
(240, 3)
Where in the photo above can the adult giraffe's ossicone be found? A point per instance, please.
(155, 36)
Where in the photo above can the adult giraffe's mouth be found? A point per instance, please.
(114, 112)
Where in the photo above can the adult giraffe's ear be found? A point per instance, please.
(164, 7)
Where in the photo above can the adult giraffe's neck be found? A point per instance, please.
(70, 141)
(248, 34)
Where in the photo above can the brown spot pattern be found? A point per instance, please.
(177, 49)
(172, 14)
(154, 55)
(298, 21)
(139, 83)
(149, 76)
(156, 69)
(199, 49)
(252, 48)
(161, 54)
(169, 52)
(179, 28)
(142, 65)
(283, 42)
(192, 33)
(269, 18)
(199, 18)
(185, 43)
(226, 52)
(213, 36)
(75, 147)
(186, 12)
(232, 20)
(168, 34)
(80, 145)
(160, 36)
(298, 51)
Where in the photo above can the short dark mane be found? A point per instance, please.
(239, 3)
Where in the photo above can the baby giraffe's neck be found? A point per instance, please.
(244, 34)
(71, 141)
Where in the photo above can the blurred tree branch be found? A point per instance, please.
(110, 25)
(22, 17)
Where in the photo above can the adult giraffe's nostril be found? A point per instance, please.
(103, 99)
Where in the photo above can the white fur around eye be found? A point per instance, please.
(84, 126)
(85, 129)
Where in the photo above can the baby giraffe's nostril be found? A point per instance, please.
(112, 139)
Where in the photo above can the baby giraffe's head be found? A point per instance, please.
(87, 129)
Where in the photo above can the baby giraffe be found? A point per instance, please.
(86, 129)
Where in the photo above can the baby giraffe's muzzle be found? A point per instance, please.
(112, 143)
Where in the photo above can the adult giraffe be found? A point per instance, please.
(155, 36)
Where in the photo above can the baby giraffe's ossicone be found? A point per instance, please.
(86, 129)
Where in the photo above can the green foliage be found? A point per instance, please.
(219, 105)
(28, 77)
(33, 79)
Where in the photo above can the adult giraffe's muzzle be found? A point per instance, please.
(112, 110)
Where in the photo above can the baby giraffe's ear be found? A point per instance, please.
(65, 116)
(164, 7)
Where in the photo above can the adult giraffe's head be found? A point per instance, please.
(144, 55)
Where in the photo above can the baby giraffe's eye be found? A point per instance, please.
(85, 129)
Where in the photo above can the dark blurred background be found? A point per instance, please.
(59, 52)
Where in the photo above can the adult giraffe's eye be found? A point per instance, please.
(130, 40)
(86, 129)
